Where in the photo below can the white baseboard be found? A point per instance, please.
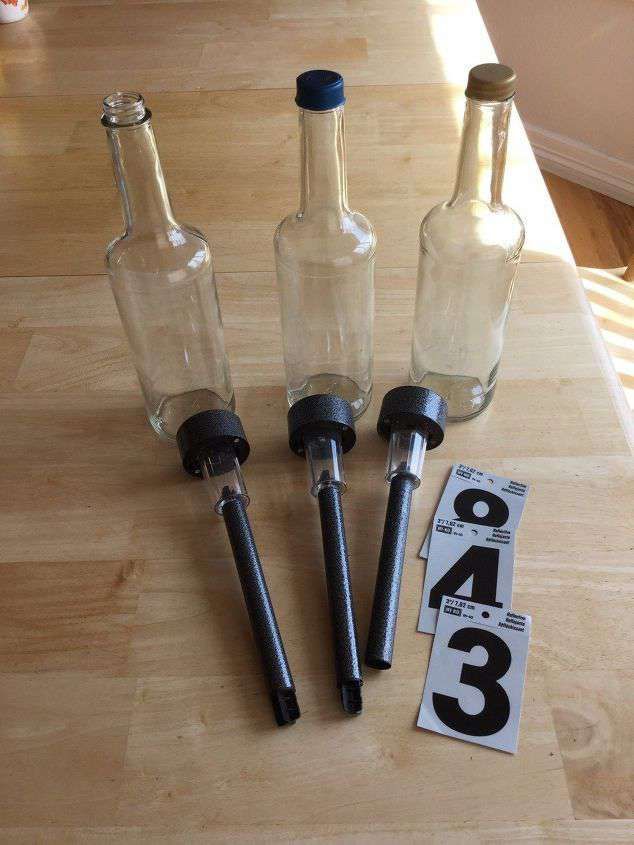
(583, 164)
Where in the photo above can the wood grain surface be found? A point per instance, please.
(132, 707)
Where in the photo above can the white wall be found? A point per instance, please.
(575, 66)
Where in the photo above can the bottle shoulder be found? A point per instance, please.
(327, 236)
(179, 249)
(470, 225)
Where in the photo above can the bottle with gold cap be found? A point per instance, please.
(469, 250)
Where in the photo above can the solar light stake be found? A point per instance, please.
(321, 428)
(213, 445)
(413, 420)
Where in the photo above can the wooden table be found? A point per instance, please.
(131, 702)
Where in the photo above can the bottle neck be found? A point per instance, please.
(483, 152)
(323, 160)
(139, 177)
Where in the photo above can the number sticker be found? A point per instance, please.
(495, 713)
(479, 563)
(470, 552)
(476, 673)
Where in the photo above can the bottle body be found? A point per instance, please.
(327, 324)
(167, 300)
(469, 252)
(163, 283)
(325, 270)
(462, 303)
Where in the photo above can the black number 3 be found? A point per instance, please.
(495, 713)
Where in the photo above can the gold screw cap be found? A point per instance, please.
(492, 82)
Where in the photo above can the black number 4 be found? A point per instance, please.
(481, 562)
(495, 713)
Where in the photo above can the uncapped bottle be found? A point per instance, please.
(162, 280)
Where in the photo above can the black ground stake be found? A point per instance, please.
(213, 445)
(321, 428)
(413, 420)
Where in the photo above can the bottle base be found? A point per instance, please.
(334, 385)
(174, 410)
(466, 396)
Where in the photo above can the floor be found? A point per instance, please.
(600, 231)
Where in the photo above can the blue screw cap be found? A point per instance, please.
(319, 90)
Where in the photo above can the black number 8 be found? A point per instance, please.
(465, 501)
(495, 713)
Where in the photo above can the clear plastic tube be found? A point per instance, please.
(406, 455)
(224, 479)
(325, 462)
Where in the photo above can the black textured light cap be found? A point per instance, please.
(321, 413)
(492, 82)
(413, 407)
(208, 433)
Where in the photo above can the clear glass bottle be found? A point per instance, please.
(163, 283)
(469, 250)
(325, 260)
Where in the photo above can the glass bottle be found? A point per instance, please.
(325, 260)
(162, 280)
(469, 250)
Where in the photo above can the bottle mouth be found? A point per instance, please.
(123, 108)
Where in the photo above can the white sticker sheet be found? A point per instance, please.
(424, 549)
(475, 679)
(472, 542)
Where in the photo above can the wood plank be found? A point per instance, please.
(181, 725)
(59, 207)
(104, 496)
(68, 617)
(70, 47)
(593, 715)
(63, 739)
(190, 622)
(558, 832)
(53, 349)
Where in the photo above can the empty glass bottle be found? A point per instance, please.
(163, 282)
(469, 250)
(325, 260)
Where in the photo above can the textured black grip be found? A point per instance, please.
(388, 580)
(261, 613)
(348, 667)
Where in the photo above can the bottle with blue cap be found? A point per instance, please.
(325, 260)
